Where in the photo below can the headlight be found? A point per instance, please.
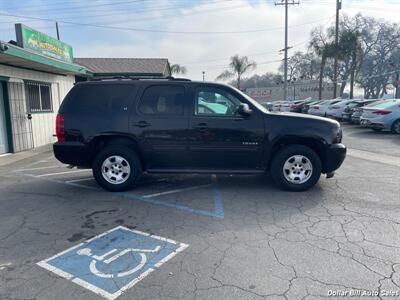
(338, 135)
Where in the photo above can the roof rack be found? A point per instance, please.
(124, 77)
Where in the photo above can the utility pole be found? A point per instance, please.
(335, 67)
(286, 3)
(58, 32)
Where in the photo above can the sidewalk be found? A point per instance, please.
(10, 158)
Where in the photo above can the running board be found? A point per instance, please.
(206, 171)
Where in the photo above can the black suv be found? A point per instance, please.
(123, 127)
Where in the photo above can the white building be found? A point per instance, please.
(36, 73)
(32, 85)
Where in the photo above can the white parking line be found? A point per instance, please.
(61, 173)
(39, 168)
(177, 191)
(79, 180)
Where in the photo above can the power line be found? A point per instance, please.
(224, 66)
(250, 55)
(145, 18)
(136, 10)
(158, 31)
(88, 6)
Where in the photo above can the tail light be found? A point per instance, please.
(382, 112)
(315, 107)
(60, 129)
(335, 107)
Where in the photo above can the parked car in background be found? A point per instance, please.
(277, 105)
(307, 105)
(382, 116)
(353, 107)
(297, 106)
(268, 105)
(321, 108)
(285, 106)
(335, 110)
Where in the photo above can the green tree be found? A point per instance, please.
(324, 49)
(350, 47)
(238, 66)
(178, 69)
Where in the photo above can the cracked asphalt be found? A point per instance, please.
(344, 234)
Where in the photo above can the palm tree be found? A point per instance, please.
(178, 69)
(237, 67)
(325, 51)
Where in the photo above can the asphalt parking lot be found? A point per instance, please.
(204, 237)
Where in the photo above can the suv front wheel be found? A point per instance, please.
(296, 168)
(116, 168)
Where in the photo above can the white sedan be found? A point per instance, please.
(335, 110)
(321, 108)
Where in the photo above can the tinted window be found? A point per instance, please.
(213, 101)
(98, 99)
(162, 100)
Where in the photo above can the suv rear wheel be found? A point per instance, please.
(116, 168)
(296, 168)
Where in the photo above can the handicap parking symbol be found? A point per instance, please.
(114, 261)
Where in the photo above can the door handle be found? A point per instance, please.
(141, 124)
(201, 126)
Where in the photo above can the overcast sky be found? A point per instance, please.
(199, 34)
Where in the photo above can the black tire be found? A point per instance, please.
(129, 155)
(396, 127)
(277, 172)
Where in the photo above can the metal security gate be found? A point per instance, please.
(3, 130)
(20, 123)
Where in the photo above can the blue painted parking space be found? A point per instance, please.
(114, 261)
(155, 191)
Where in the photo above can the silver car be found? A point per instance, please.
(383, 116)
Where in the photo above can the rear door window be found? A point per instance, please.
(166, 100)
(98, 99)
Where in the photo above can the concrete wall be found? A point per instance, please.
(39, 131)
(298, 91)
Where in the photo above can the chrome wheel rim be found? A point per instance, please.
(115, 169)
(297, 169)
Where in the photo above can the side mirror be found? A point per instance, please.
(244, 110)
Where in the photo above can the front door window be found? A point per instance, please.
(215, 102)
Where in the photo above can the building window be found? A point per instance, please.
(38, 96)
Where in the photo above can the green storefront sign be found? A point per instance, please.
(29, 38)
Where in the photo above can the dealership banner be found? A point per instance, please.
(42, 43)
